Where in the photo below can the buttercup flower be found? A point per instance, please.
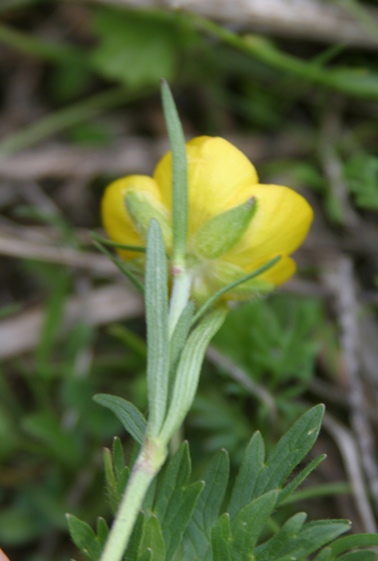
(235, 224)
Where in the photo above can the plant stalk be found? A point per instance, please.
(147, 466)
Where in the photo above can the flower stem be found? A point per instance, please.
(148, 464)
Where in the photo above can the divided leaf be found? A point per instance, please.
(290, 450)
(197, 543)
(84, 538)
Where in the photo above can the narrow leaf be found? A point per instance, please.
(355, 540)
(117, 245)
(110, 481)
(131, 418)
(122, 267)
(272, 548)
(252, 464)
(188, 371)
(152, 545)
(180, 335)
(198, 535)
(135, 539)
(102, 531)
(221, 539)
(359, 556)
(174, 477)
(290, 487)
(249, 523)
(178, 516)
(233, 285)
(84, 537)
(325, 555)
(179, 173)
(290, 450)
(156, 299)
(312, 536)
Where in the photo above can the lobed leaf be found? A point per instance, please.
(84, 538)
(248, 524)
(221, 539)
(197, 543)
(252, 464)
(290, 450)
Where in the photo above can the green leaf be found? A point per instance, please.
(179, 337)
(174, 477)
(156, 300)
(244, 487)
(84, 537)
(197, 542)
(152, 545)
(248, 524)
(188, 371)
(355, 540)
(221, 539)
(229, 287)
(117, 245)
(294, 483)
(135, 49)
(122, 267)
(359, 556)
(311, 536)
(290, 450)
(179, 516)
(325, 555)
(102, 531)
(118, 456)
(131, 418)
(271, 549)
(135, 539)
(175, 499)
(179, 174)
(110, 481)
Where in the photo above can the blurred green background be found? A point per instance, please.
(80, 106)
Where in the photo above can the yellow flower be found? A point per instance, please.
(220, 178)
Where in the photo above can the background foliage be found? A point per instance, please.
(80, 106)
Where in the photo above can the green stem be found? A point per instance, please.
(148, 464)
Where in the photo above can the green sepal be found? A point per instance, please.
(142, 208)
(229, 288)
(223, 231)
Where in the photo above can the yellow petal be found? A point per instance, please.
(217, 173)
(115, 217)
(279, 226)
